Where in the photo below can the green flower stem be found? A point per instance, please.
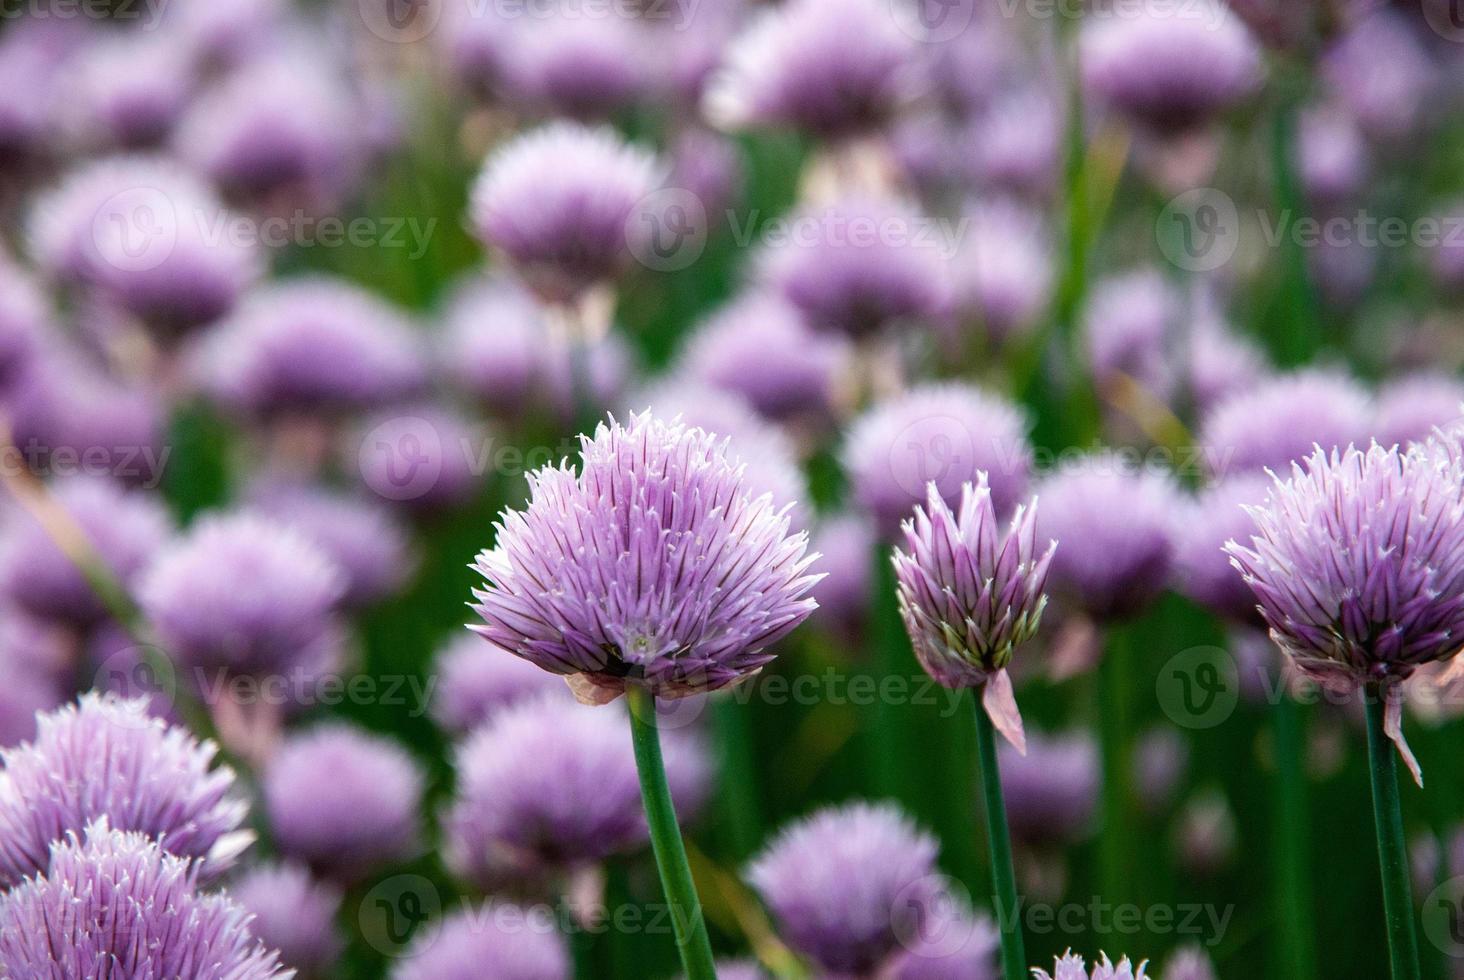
(1115, 688)
(1300, 335)
(741, 813)
(1392, 851)
(1004, 878)
(1293, 906)
(890, 739)
(686, 912)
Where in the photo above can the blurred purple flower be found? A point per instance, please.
(1189, 963)
(128, 90)
(343, 801)
(477, 680)
(585, 68)
(1380, 70)
(1217, 516)
(952, 944)
(702, 575)
(1332, 158)
(1130, 326)
(294, 914)
(500, 940)
(1281, 419)
(105, 758)
(34, 660)
(116, 905)
(1410, 408)
(709, 166)
(845, 543)
(1051, 791)
(1003, 271)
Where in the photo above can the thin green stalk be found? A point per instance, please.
(1293, 866)
(889, 738)
(1300, 331)
(1003, 876)
(741, 810)
(1392, 850)
(670, 851)
(581, 379)
(1115, 690)
(581, 942)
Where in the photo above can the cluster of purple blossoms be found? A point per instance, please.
(653, 565)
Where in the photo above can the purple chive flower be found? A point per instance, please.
(559, 203)
(343, 801)
(1170, 69)
(1160, 760)
(1051, 791)
(105, 758)
(1221, 363)
(475, 40)
(702, 576)
(1281, 419)
(548, 786)
(1116, 526)
(1129, 325)
(1189, 963)
(1410, 408)
(944, 433)
(1380, 70)
(1003, 271)
(293, 913)
(313, 345)
(1072, 967)
(34, 660)
(245, 594)
(129, 90)
(970, 595)
(832, 68)
(421, 458)
(123, 529)
(1015, 145)
(117, 905)
(845, 543)
(280, 132)
(25, 322)
(1332, 157)
(147, 234)
(1218, 515)
(1397, 600)
(840, 883)
(709, 166)
(759, 347)
(1205, 835)
(586, 68)
(477, 680)
(951, 944)
(859, 267)
(499, 940)
(362, 538)
(33, 55)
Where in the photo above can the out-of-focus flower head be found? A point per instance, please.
(942, 432)
(703, 576)
(1169, 67)
(1219, 515)
(25, 324)
(1221, 363)
(500, 940)
(1116, 525)
(362, 538)
(115, 904)
(1189, 963)
(1071, 967)
(35, 660)
(476, 680)
(760, 348)
(970, 595)
(222, 34)
(1410, 408)
(293, 913)
(123, 529)
(839, 882)
(343, 802)
(128, 91)
(845, 543)
(1398, 601)
(474, 38)
(582, 67)
(1130, 323)
(952, 944)
(832, 68)
(548, 786)
(860, 266)
(1205, 834)
(1051, 791)
(105, 758)
(1015, 145)
(279, 133)
(1380, 70)
(420, 457)
(559, 203)
(147, 235)
(33, 54)
(313, 345)
(709, 166)
(1446, 258)
(1332, 158)
(1160, 760)
(245, 594)
(1281, 419)
(1003, 270)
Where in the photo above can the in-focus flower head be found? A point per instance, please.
(1116, 525)
(859, 267)
(343, 801)
(114, 904)
(559, 201)
(970, 595)
(294, 914)
(1170, 67)
(832, 68)
(476, 680)
(839, 882)
(245, 594)
(654, 565)
(549, 786)
(1071, 967)
(1281, 419)
(500, 940)
(940, 432)
(106, 758)
(1358, 566)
